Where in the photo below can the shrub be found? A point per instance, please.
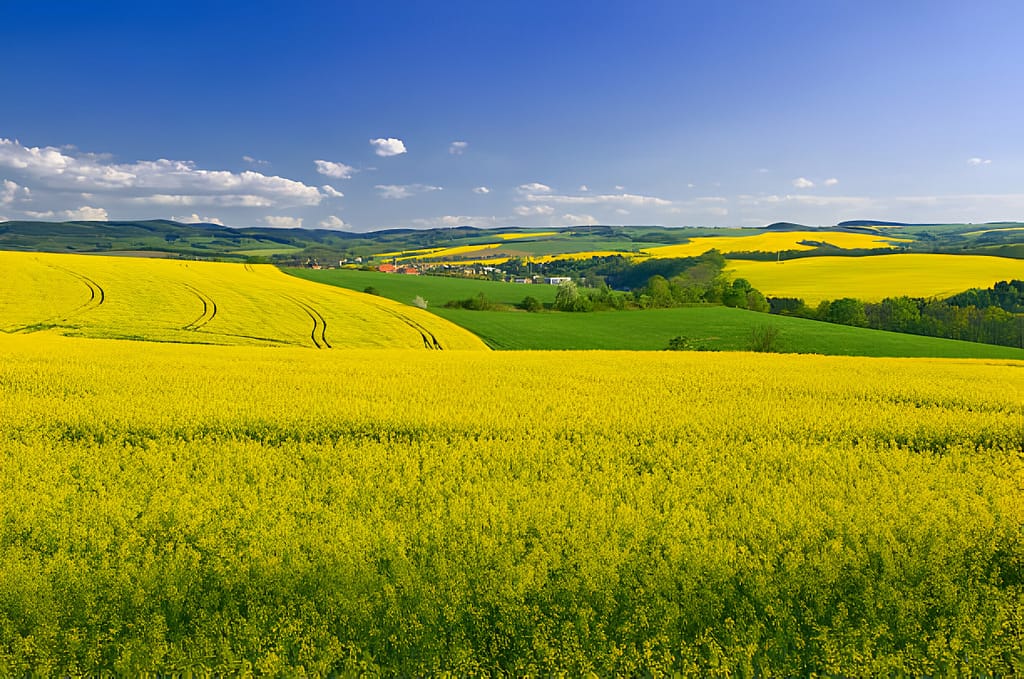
(764, 338)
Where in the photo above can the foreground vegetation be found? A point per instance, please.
(658, 512)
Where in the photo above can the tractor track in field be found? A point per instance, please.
(429, 340)
(209, 309)
(319, 332)
(97, 296)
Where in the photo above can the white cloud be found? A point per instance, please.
(398, 191)
(579, 220)
(283, 222)
(81, 214)
(196, 219)
(482, 190)
(978, 161)
(602, 199)
(254, 161)
(333, 169)
(621, 211)
(534, 187)
(691, 186)
(803, 183)
(457, 148)
(620, 187)
(333, 222)
(831, 181)
(534, 210)
(331, 192)
(762, 170)
(388, 146)
(12, 191)
(181, 200)
(584, 188)
(54, 170)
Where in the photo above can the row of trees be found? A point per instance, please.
(992, 316)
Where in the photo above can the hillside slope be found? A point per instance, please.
(205, 303)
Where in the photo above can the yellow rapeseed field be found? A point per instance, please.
(874, 278)
(206, 303)
(773, 241)
(235, 510)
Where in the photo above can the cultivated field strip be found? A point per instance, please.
(205, 303)
(873, 278)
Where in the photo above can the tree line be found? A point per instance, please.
(992, 316)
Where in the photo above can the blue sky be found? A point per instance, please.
(512, 113)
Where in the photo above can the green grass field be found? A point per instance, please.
(437, 290)
(711, 327)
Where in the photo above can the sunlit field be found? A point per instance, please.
(204, 303)
(293, 511)
(874, 278)
(774, 241)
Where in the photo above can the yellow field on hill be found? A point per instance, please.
(205, 303)
(514, 236)
(773, 241)
(209, 509)
(874, 278)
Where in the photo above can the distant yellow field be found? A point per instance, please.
(984, 231)
(773, 241)
(205, 303)
(874, 278)
(513, 236)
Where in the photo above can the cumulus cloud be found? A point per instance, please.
(457, 148)
(196, 219)
(333, 222)
(579, 220)
(331, 192)
(534, 187)
(534, 210)
(482, 190)
(59, 170)
(283, 222)
(584, 188)
(12, 191)
(831, 181)
(254, 161)
(81, 214)
(388, 146)
(333, 169)
(803, 183)
(399, 191)
(978, 161)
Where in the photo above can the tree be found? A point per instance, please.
(846, 311)
(568, 298)
(532, 304)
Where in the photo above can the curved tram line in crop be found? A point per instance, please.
(97, 296)
(209, 309)
(319, 324)
(429, 341)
